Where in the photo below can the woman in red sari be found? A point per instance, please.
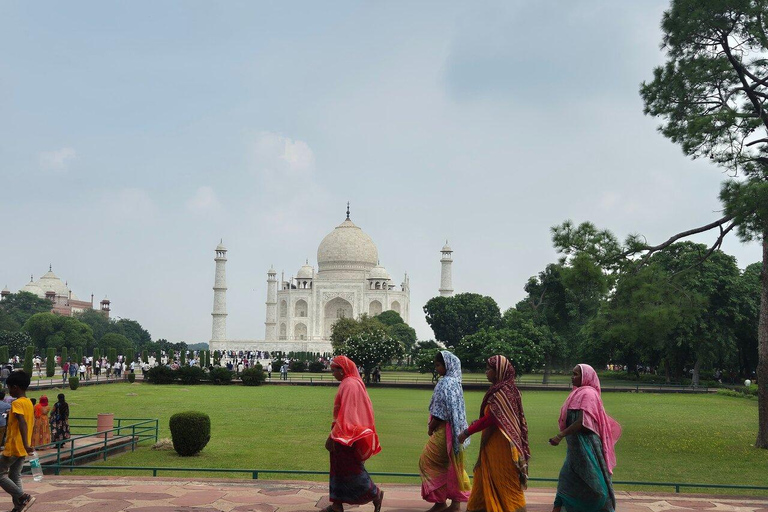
(352, 441)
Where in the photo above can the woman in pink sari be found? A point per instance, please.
(352, 441)
(585, 484)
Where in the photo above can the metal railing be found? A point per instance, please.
(255, 473)
(98, 443)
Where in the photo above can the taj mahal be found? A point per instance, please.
(301, 310)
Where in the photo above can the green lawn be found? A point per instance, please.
(684, 438)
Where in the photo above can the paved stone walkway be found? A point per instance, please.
(116, 494)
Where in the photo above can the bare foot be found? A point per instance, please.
(438, 507)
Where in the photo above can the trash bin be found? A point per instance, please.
(105, 422)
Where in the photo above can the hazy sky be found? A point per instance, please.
(135, 135)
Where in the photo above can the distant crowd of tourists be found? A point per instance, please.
(501, 471)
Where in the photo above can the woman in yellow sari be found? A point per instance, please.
(41, 433)
(501, 472)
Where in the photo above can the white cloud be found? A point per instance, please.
(281, 159)
(204, 200)
(58, 159)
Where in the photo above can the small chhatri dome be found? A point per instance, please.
(446, 247)
(347, 248)
(380, 273)
(305, 272)
(221, 247)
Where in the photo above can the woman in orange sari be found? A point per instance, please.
(352, 441)
(41, 433)
(501, 472)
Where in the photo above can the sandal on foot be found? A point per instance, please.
(25, 502)
(378, 501)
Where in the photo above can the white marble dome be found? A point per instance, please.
(347, 247)
(379, 272)
(49, 282)
(305, 272)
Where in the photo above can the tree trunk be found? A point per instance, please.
(547, 371)
(696, 368)
(666, 371)
(762, 344)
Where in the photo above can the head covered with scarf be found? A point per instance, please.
(506, 405)
(353, 422)
(448, 399)
(587, 399)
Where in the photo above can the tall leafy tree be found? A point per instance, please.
(452, 318)
(712, 97)
(17, 308)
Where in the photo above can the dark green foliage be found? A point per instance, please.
(253, 376)
(190, 374)
(452, 318)
(425, 360)
(96, 355)
(4, 354)
(115, 341)
(131, 377)
(190, 432)
(17, 343)
(522, 351)
(160, 374)
(112, 355)
(49, 330)
(216, 357)
(79, 355)
(183, 357)
(64, 355)
(220, 375)
(17, 308)
(130, 355)
(145, 357)
(390, 318)
(74, 383)
(50, 362)
(297, 366)
(316, 367)
(29, 355)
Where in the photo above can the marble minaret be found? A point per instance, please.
(219, 314)
(446, 275)
(271, 321)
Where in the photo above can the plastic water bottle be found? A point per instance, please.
(34, 465)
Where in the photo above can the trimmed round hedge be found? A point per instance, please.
(190, 432)
(253, 376)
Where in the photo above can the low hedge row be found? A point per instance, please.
(187, 375)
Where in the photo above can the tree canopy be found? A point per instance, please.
(452, 318)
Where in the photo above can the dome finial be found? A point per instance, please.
(347, 210)
(50, 267)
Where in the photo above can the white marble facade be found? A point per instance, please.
(301, 310)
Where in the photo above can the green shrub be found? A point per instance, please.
(297, 366)
(190, 432)
(74, 383)
(145, 357)
(4, 354)
(131, 377)
(50, 362)
(253, 376)
(190, 374)
(29, 355)
(316, 367)
(219, 375)
(160, 375)
(64, 355)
